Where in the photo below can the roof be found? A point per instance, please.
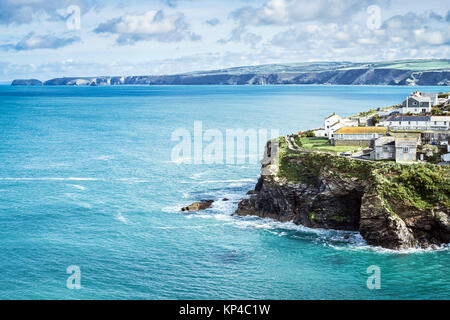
(420, 98)
(362, 130)
(409, 118)
(403, 134)
(407, 141)
(332, 115)
(384, 141)
(440, 118)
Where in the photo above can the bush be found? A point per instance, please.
(423, 182)
(308, 134)
(376, 119)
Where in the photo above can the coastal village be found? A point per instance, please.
(418, 129)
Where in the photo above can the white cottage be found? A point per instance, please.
(418, 103)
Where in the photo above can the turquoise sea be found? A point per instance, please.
(86, 179)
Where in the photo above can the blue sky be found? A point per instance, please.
(42, 39)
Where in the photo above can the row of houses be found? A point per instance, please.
(418, 123)
(401, 129)
(384, 146)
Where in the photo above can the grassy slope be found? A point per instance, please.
(321, 144)
(413, 65)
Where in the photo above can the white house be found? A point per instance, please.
(446, 157)
(419, 103)
(405, 150)
(336, 122)
(330, 122)
(440, 122)
(408, 123)
(384, 148)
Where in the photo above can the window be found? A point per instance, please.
(405, 149)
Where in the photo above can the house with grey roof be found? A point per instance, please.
(414, 123)
(418, 103)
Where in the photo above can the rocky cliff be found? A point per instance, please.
(404, 72)
(391, 205)
(26, 82)
(338, 77)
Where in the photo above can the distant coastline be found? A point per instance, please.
(434, 72)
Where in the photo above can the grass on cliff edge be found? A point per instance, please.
(322, 144)
(422, 186)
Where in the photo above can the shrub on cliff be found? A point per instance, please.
(426, 183)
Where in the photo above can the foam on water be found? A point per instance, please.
(121, 218)
(76, 186)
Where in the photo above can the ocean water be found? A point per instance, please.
(86, 179)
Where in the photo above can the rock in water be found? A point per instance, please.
(197, 206)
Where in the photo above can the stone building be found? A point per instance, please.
(383, 149)
(405, 149)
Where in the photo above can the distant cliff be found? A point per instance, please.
(26, 82)
(392, 205)
(410, 72)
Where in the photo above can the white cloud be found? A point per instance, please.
(152, 25)
(408, 35)
(25, 11)
(283, 12)
(33, 41)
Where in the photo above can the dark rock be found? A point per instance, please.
(197, 206)
(225, 199)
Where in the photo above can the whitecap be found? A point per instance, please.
(121, 218)
(104, 158)
(133, 180)
(76, 186)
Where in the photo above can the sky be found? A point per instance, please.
(44, 39)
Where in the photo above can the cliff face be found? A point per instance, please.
(387, 203)
(26, 82)
(364, 76)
